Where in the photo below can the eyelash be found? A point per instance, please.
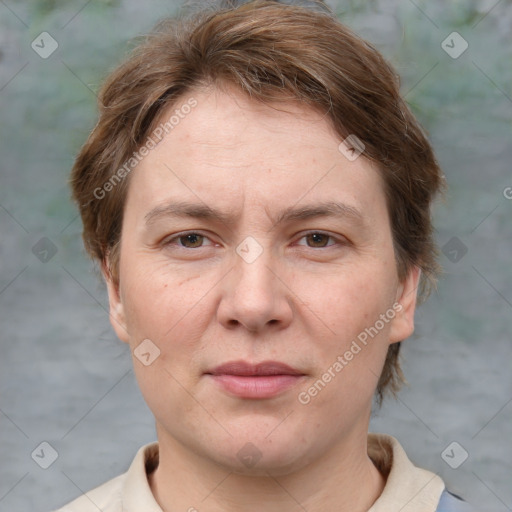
(170, 241)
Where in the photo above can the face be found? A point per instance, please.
(249, 236)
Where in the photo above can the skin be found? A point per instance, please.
(302, 302)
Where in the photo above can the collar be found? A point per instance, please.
(408, 488)
(136, 492)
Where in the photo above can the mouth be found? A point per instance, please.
(257, 381)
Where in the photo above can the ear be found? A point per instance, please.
(402, 325)
(117, 313)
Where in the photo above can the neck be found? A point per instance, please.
(344, 479)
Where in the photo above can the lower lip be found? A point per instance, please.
(256, 387)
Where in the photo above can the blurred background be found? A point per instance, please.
(67, 381)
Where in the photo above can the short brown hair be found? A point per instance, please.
(272, 52)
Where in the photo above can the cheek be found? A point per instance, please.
(358, 309)
(166, 306)
(345, 301)
(166, 309)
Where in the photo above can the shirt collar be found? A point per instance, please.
(408, 488)
(136, 492)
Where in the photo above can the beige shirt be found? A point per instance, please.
(408, 488)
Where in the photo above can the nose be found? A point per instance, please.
(255, 294)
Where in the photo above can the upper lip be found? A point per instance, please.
(264, 368)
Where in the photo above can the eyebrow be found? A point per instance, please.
(184, 209)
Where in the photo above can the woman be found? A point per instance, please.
(258, 196)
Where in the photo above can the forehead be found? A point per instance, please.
(228, 149)
(226, 120)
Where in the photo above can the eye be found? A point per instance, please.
(190, 240)
(319, 239)
(196, 240)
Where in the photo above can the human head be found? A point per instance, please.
(274, 53)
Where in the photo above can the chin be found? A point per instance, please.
(263, 455)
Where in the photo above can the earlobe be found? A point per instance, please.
(116, 307)
(403, 323)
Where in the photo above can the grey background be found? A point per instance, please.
(65, 378)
